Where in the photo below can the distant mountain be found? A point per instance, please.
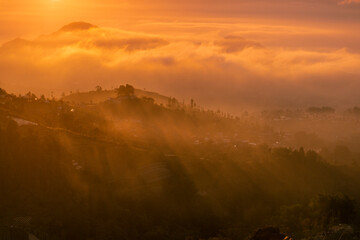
(48, 40)
(60, 38)
(15, 44)
(77, 26)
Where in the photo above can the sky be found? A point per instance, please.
(225, 54)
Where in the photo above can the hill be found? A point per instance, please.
(128, 168)
(103, 95)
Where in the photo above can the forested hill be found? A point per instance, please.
(100, 95)
(128, 168)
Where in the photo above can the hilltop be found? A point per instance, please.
(101, 95)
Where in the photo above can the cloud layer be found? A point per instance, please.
(349, 1)
(221, 66)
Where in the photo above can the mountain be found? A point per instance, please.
(52, 40)
(15, 44)
(77, 26)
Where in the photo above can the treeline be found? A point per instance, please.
(139, 116)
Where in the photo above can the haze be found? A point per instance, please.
(228, 54)
(179, 120)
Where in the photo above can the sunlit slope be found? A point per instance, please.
(130, 169)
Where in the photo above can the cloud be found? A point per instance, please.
(217, 66)
(84, 35)
(233, 44)
(349, 2)
(132, 44)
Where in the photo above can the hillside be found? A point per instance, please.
(128, 168)
(103, 95)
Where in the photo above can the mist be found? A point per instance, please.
(219, 70)
(169, 120)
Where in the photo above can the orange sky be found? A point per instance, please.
(33, 17)
(241, 50)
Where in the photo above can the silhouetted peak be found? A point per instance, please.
(77, 26)
(15, 43)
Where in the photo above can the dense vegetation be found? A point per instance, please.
(128, 168)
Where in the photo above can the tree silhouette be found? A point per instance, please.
(125, 91)
(98, 88)
(2, 92)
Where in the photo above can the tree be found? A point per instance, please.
(333, 209)
(30, 96)
(2, 92)
(172, 103)
(98, 88)
(125, 91)
(148, 100)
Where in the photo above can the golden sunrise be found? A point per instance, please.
(179, 120)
